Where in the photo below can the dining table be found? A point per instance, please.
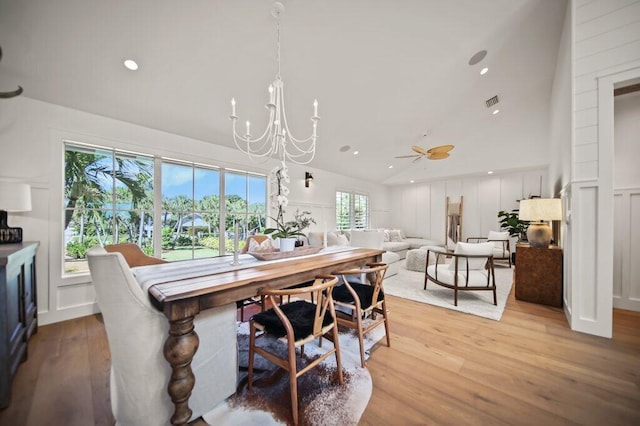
(183, 289)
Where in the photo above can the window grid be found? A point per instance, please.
(352, 210)
(110, 196)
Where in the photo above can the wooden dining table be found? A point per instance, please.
(182, 299)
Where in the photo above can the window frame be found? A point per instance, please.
(353, 196)
(60, 140)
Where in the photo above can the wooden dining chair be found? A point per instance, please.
(296, 323)
(133, 255)
(362, 299)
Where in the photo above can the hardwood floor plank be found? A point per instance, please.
(444, 367)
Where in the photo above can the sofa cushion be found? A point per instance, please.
(394, 236)
(367, 239)
(395, 246)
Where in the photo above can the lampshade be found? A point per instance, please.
(15, 197)
(540, 209)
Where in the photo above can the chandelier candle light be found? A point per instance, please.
(277, 139)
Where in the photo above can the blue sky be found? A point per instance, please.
(179, 179)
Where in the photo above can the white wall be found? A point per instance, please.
(31, 150)
(606, 47)
(419, 209)
(560, 160)
(626, 270)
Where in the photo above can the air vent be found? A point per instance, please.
(491, 101)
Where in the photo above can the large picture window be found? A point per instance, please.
(109, 198)
(352, 210)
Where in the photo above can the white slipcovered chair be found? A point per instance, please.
(501, 246)
(471, 268)
(137, 331)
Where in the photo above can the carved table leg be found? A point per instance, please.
(179, 349)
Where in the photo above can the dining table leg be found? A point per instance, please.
(179, 349)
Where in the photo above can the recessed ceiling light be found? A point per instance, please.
(495, 111)
(391, 167)
(484, 70)
(490, 172)
(130, 64)
(356, 152)
(412, 181)
(345, 148)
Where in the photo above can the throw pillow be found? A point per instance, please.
(332, 239)
(342, 240)
(266, 245)
(485, 249)
(394, 236)
(316, 239)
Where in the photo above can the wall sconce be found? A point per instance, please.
(308, 177)
(14, 197)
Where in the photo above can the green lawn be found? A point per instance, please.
(184, 253)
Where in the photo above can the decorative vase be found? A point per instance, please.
(287, 244)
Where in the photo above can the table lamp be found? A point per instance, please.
(538, 211)
(14, 197)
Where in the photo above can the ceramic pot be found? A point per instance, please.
(287, 244)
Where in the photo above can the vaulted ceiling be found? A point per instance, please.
(385, 73)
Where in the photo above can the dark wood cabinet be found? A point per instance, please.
(18, 310)
(539, 275)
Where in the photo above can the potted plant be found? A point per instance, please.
(510, 221)
(289, 231)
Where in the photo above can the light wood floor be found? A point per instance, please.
(443, 367)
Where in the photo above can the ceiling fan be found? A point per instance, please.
(13, 93)
(435, 153)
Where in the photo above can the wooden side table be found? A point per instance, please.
(539, 274)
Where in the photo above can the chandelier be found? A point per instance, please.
(277, 139)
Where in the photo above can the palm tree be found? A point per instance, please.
(89, 177)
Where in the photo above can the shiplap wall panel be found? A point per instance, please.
(423, 213)
(488, 204)
(593, 45)
(438, 208)
(633, 278)
(472, 221)
(606, 42)
(588, 26)
(620, 230)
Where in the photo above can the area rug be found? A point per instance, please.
(410, 285)
(322, 400)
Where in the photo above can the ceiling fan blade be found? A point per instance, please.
(440, 149)
(419, 149)
(437, 155)
(419, 157)
(408, 156)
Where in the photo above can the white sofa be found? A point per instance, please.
(395, 241)
(360, 238)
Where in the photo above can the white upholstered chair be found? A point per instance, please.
(501, 246)
(137, 331)
(471, 268)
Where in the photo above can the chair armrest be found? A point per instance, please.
(476, 239)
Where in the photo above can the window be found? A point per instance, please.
(352, 210)
(245, 203)
(190, 211)
(109, 198)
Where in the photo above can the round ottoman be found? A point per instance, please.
(417, 258)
